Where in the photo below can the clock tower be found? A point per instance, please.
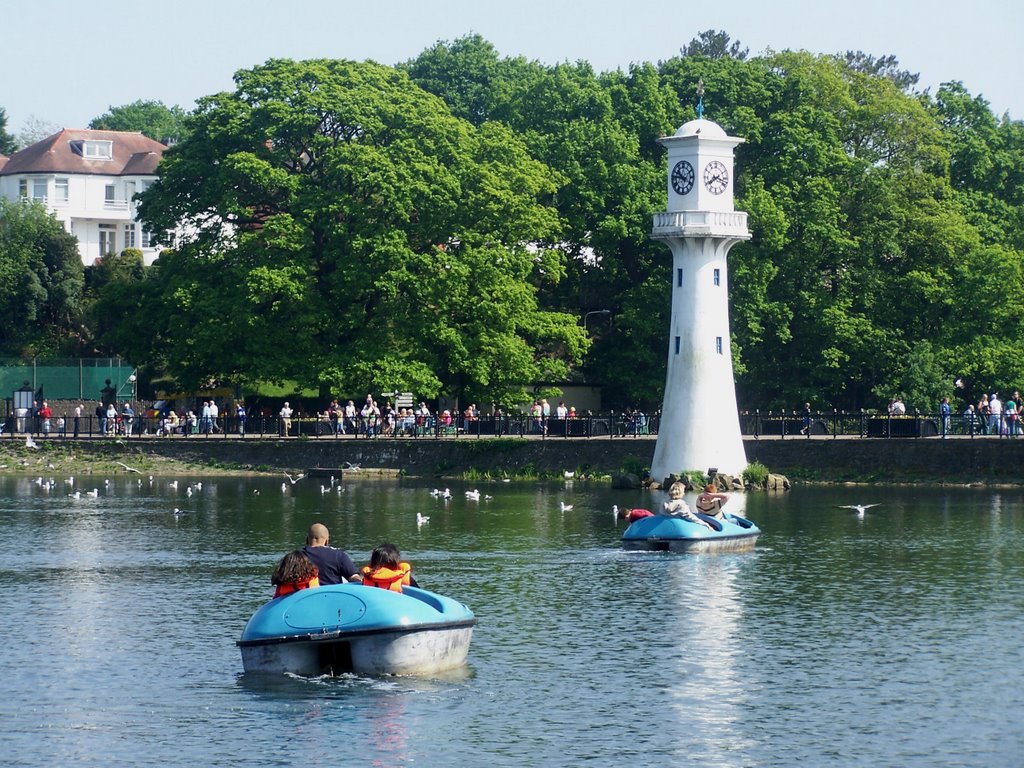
(699, 427)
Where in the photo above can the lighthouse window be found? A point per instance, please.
(679, 278)
(718, 344)
(677, 345)
(718, 277)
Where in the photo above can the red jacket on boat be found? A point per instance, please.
(295, 586)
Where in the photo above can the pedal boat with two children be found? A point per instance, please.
(669, 533)
(351, 628)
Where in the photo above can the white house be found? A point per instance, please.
(88, 179)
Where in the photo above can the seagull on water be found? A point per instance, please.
(859, 508)
(565, 507)
(95, 492)
(421, 519)
(568, 475)
(473, 495)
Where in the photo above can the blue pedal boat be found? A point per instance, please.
(342, 628)
(665, 533)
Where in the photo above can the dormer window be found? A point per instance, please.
(93, 149)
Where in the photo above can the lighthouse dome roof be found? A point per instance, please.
(703, 128)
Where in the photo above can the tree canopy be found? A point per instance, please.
(350, 233)
(7, 142)
(151, 118)
(41, 280)
(443, 227)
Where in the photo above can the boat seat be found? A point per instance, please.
(712, 521)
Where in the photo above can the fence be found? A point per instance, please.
(67, 379)
(611, 425)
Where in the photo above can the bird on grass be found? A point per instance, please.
(858, 508)
(30, 443)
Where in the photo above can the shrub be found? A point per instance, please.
(755, 474)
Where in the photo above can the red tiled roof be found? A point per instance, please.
(3, 161)
(133, 154)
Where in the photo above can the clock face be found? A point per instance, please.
(682, 177)
(716, 177)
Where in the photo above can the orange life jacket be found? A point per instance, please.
(295, 586)
(388, 578)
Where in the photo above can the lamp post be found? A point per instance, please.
(602, 312)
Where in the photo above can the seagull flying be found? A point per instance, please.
(30, 443)
(293, 480)
(130, 469)
(859, 508)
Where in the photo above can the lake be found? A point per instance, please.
(892, 640)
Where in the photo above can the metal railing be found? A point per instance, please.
(611, 425)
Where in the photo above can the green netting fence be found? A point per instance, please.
(67, 379)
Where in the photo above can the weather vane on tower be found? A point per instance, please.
(700, 98)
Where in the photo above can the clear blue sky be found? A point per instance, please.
(65, 62)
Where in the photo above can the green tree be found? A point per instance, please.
(349, 232)
(152, 118)
(714, 44)
(7, 142)
(40, 280)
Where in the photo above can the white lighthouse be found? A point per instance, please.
(700, 427)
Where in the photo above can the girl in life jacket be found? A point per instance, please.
(294, 572)
(386, 569)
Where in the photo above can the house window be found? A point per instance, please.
(718, 276)
(22, 188)
(108, 193)
(129, 235)
(718, 344)
(39, 189)
(148, 241)
(679, 278)
(677, 345)
(60, 190)
(98, 150)
(108, 235)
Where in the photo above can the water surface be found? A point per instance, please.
(889, 640)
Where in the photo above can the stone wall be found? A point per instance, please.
(986, 460)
